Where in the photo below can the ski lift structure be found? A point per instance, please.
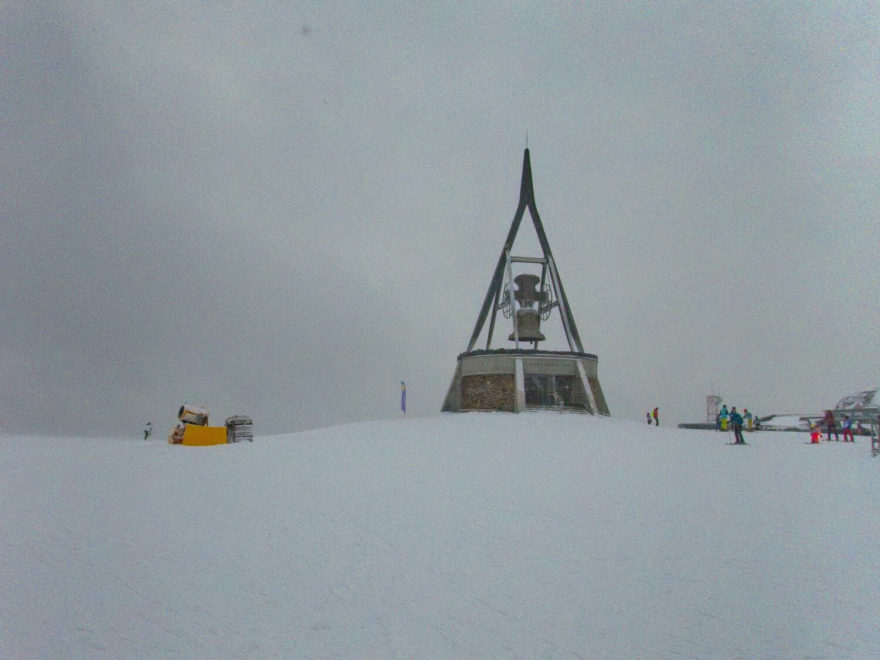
(526, 290)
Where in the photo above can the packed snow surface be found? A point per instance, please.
(464, 535)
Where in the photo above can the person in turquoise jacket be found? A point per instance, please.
(736, 421)
(725, 415)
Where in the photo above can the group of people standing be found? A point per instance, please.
(729, 419)
(733, 420)
(830, 425)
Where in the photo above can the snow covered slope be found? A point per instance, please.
(464, 535)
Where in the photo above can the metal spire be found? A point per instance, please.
(526, 201)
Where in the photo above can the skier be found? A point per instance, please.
(847, 429)
(815, 434)
(148, 429)
(648, 417)
(737, 421)
(656, 416)
(725, 415)
(830, 425)
(748, 417)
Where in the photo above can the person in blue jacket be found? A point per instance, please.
(736, 421)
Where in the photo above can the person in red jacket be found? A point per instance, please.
(656, 414)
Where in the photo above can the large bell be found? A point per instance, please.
(528, 319)
(528, 325)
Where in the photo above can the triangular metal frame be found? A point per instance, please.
(491, 302)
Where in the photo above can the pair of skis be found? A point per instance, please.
(734, 442)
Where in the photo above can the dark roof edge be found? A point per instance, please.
(528, 353)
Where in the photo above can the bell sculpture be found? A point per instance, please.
(528, 292)
(528, 316)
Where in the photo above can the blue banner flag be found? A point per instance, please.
(403, 397)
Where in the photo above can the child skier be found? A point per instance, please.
(847, 429)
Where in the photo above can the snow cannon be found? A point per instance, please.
(192, 428)
(189, 414)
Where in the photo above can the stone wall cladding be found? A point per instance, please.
(488, 392)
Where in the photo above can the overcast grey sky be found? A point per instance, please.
(283, 209)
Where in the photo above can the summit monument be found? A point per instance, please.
(527, 290)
